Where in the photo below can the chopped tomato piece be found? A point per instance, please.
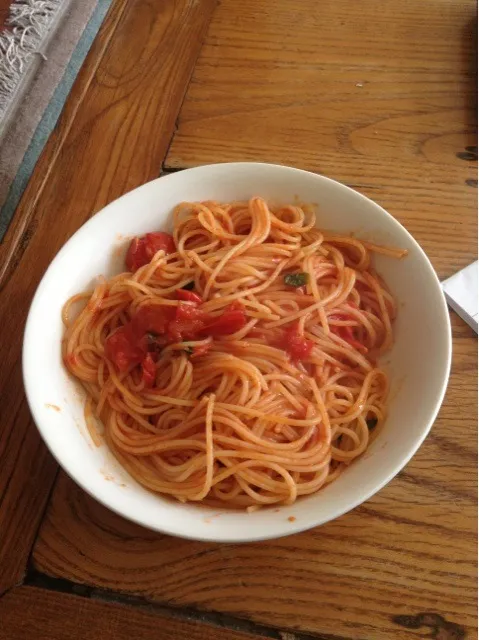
(188, 323)
(188, 312)
(122, 349)
(136, 255)
(152, 319)
(298, 347)
(157, 241)
(149, 370)
(128, 345)
(232, 320)
(142, 250)
(188, 296)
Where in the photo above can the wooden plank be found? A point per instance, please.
(112, 136)
(381, 96)
(406, 556)
(44, 615)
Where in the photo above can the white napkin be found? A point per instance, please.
(461, 293)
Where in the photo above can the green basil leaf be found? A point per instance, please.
(296, 279)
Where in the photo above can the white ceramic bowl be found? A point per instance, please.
(418, 364)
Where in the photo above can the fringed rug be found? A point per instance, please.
(42, 47)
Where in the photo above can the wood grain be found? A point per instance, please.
(44, 615)
(112, 136)
(408, 552)
(381, 96)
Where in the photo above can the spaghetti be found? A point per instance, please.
(235, 362)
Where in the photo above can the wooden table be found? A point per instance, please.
(380, 95)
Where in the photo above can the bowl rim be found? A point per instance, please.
(298, 526)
